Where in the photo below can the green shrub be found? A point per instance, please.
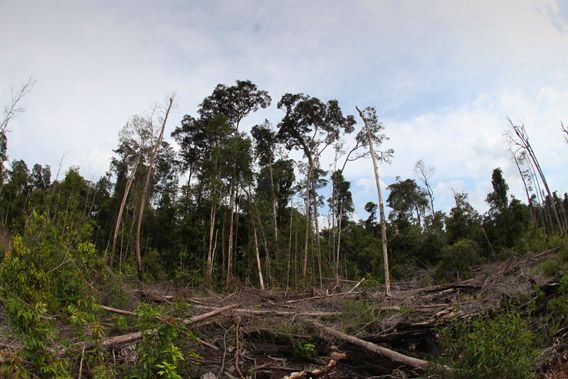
(457, 260)
(491, 346)
(38, 336)
(159, 351)
(43, 266)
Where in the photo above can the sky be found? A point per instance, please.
(443, 75)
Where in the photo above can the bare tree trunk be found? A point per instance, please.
(523, 142)
(318, 249)
(533, 217)
(289, 253)
(338, 243)
(257, 255)
(121, 210)
(274, 215)
(381, 207)
(307, 236)
(209, 268)
(147, 185)
(231, 226)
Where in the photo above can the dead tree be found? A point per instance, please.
(10, 111)
(424, 174)
(170, 102)
(121, 210)
(381, 207)
(519, 137)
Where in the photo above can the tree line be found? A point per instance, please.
(231, 206)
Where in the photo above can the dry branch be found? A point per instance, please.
(356, 285)
(315, 372)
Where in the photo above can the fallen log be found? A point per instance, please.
(387, 353)
(322, 296)
(260, 312)
(131, 337)
(190, 321)
(118, 311)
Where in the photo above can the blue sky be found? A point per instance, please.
(442, 74)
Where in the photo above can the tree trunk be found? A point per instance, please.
(318, 249)
(381, 207)
(307, 236)
(146, 185)
(121, 210)
(209, 268)
(274, 221)
(533, 217)
(338, 243)
(231, 226)
(257, 255)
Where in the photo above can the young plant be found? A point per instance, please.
(491, 346)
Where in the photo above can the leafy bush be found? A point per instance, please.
(491, 346)
(159, 351)
(44, 266)
(31, 324)
(457, 260)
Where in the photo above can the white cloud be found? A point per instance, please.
(444, 76)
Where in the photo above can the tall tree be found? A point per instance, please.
(343, 207)
(406, 199)
(235, 103)
(311, 126)
(135, 148)
(372, 124)
(265, 141)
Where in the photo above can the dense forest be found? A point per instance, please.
(226, 207)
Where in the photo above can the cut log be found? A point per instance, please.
(387, 353)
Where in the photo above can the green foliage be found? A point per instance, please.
(159, 353)
(491, 346)
(82, 316)
(557, 307)
(43, 266)
(19, 274)
(555, 264)
(305, 350)
(458, 259)
(13, 367)
(357, 313)
(30, 322)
